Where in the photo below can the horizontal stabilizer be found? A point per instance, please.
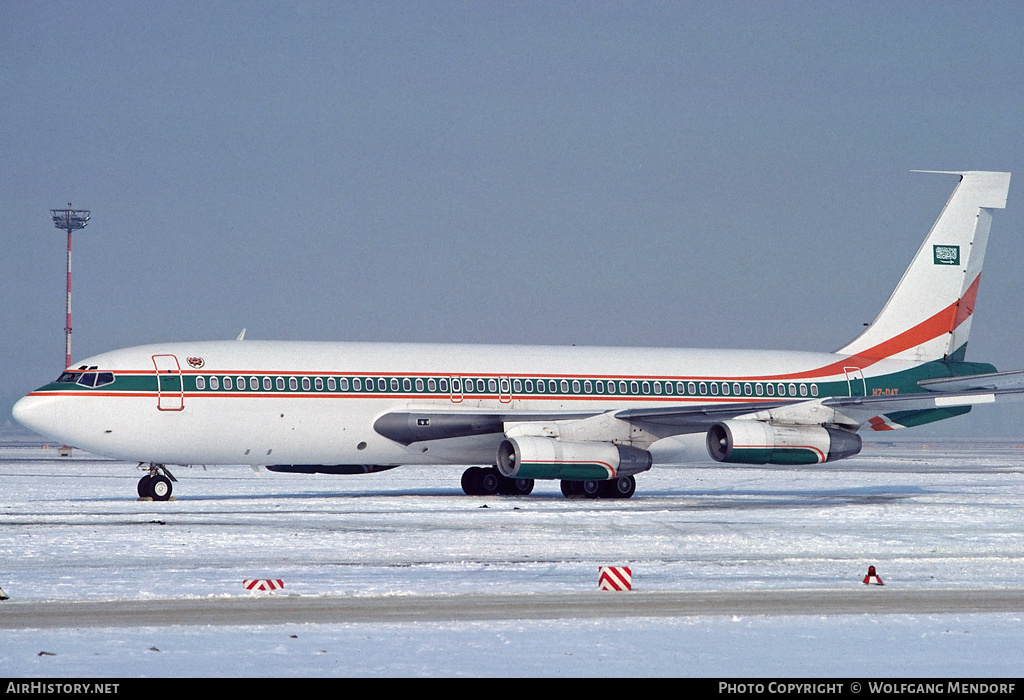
(987, 382)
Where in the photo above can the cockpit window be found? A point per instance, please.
(95, 379)
(67, 378)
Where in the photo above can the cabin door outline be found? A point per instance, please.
(170, 386)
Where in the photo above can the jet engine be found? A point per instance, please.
(756, 442)
(546, 458)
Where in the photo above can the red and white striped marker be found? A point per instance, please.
(263, 584)
(615, 578)
(872, 577)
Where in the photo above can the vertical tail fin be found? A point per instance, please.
(928, 316)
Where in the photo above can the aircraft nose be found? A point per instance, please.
(37, 413)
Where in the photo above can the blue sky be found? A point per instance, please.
(665, 174)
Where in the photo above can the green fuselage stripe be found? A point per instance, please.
(508, 388)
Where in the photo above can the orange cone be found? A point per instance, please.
(872, 577)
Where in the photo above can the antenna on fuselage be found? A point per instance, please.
(241, 336)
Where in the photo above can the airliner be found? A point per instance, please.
(589, 417)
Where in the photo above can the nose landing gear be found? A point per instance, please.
(156, 485)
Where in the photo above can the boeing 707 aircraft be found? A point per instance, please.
(587, 416)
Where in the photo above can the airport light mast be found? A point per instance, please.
(69, 220)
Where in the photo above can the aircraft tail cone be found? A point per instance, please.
(872, 577)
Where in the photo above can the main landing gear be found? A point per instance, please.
(156, 485)
(478, 481)
(488, 481)
(622, 487)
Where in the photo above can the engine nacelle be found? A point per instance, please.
(756, 442)
(546, 458)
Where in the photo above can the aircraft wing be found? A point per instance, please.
(847, 411)
(408, 427)
(694, 419)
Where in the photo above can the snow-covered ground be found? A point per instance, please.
(935, 514)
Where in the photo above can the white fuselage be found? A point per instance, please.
(292, 408)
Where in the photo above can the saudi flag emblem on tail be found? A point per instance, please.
(947, 254)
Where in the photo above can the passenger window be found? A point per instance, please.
(305, 383)
(725, 389)
(492, 386)
(814, 389)
(657, 387)
(771, 389)
(343, 383)
(280, 383)
(504, 386)
(703, 389)
(382, 384)
(758, 389)
(480, 386)
(394, 384)
(357, 383)
(227, 383)
(599, 386)
(254, 383)
(517, 386)
(792, 389)
(442, 384)
(240, 383)
(803, 390)
(431, 384)
(267, 384)
(406, 384)
(318, 383)
(419, 384)
(736, 388)
(575, 386)
(622, 387)
(529, 386)
(200, 383)
(214, 383)
(714, 388)
(293, 383)
(588, 387)
(332, 385)
(456, 385)
(565, 386)
(646, 386)
(691, 388)
(552, 386)
(746, 389)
